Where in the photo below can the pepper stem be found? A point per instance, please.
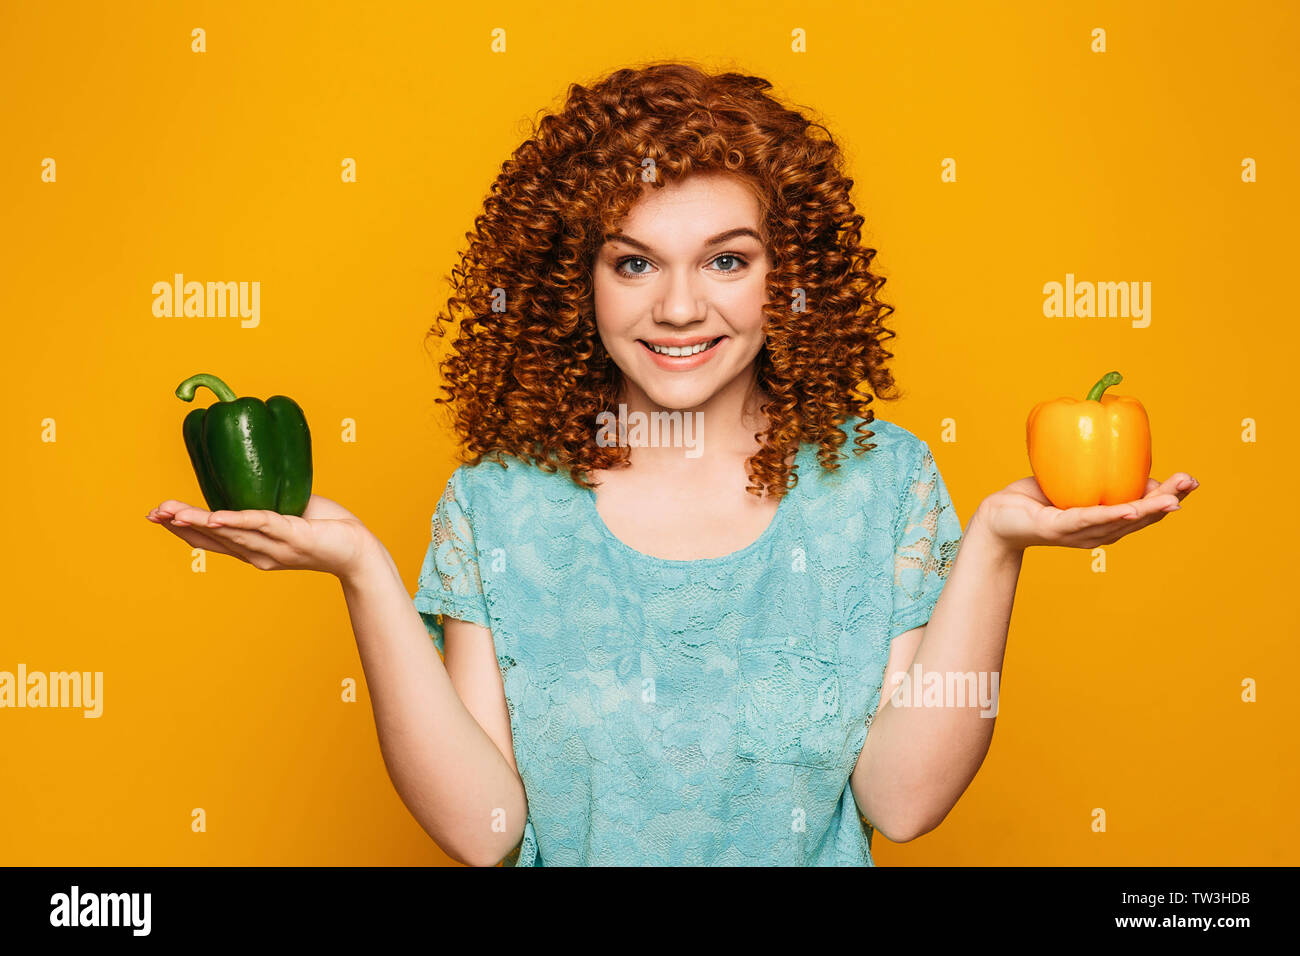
(185, 390)
(1103, 383)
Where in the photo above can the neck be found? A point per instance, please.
(722, 427)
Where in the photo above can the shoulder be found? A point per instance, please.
(496, 484)
(878, 474)
(897, 451)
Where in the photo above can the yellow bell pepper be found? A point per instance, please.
(1091, 452)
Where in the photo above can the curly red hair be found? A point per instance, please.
(528, 379)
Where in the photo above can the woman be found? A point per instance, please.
(665, 601)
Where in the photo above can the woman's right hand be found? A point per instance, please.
(326, 538)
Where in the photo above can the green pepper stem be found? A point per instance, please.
(185, 390)
(1103, 383)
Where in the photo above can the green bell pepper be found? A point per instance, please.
(248, 454)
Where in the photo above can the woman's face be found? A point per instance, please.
(687, 269)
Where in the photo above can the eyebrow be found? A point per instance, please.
(716, 240)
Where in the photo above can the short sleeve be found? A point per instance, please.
(449, 583)
(927, 533)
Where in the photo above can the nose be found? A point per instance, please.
(681, 303)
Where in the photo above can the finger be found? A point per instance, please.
(1160, 499)
(189, 515)
(258, 546)
(185, 520)
(1168, 488)
(171, 506)
(1154, 507)
(199, 539)
(1184, 485)
(1152, 518)
(269, 523)
(1177, 487)
(1073, 520)
(251, 546)
(1156, 503)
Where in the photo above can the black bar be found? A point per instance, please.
(979, 905)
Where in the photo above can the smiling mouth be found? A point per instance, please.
(684, 352)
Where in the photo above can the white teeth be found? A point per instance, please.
(688, 350)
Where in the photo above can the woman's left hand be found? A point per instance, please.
(1020, 515)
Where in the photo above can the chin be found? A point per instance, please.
(675, 404)
(678, 398)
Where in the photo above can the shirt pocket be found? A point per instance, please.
(788, 707)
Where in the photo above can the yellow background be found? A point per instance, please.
(1121, 690)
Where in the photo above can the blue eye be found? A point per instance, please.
(619, 266)
(739, 261)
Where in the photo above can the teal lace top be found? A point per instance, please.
(704, 712)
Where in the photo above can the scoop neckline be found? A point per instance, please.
(589, 496)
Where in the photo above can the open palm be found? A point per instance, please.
(1022, 516)
(327, 537)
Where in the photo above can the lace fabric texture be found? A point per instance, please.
(702, 712)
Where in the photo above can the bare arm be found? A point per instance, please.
(918, 761)
(453, 776)
(444, 731)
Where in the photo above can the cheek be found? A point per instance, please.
(615, 309)
(745, 308)
(606, 318)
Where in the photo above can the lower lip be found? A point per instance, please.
(682, 363)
